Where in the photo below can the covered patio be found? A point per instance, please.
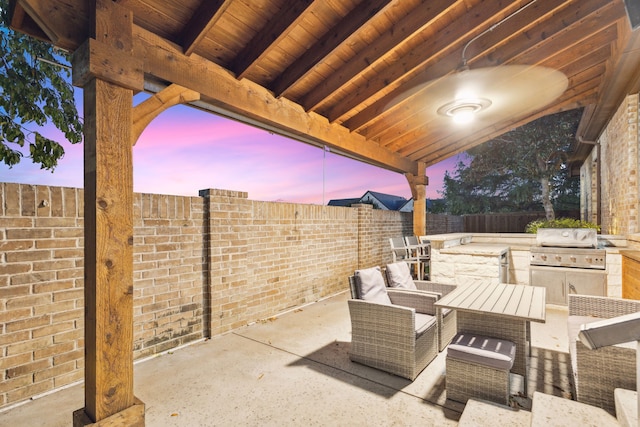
(294, 369)
(361, 78)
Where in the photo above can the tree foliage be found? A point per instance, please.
(33, 91)
(522, 170)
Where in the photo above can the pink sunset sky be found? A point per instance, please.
(185, 150)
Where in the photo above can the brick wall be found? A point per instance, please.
(589, 184)
(168, 271)
(619, 170)
(202, 266)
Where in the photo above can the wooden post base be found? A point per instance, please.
(133, 416)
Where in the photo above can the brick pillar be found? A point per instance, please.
(366, 238)
(227, 240)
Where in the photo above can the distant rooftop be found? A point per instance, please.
(379, 200)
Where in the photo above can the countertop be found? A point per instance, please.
(484, 249)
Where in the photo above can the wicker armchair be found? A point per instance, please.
(398, 338)
(447, 320)
(597, 373)
(399, 277)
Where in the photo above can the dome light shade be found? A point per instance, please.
(491, 94)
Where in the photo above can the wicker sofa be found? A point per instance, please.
(597, 373)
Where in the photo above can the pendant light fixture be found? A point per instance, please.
(485, 96)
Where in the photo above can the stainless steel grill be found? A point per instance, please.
(568, 257)
(568, 261)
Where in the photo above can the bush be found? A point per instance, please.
(533, 226)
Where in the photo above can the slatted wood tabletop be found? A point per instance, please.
(513, 301)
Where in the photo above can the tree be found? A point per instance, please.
(33, 90)
(518, 171)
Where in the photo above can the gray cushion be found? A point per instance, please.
(399, 276)
(481, 350)
(371, 285)
(423, 323)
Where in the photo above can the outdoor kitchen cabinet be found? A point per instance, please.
(560, 282)
(630, 274)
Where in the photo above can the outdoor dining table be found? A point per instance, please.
(502, 311)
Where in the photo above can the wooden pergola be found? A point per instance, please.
(350, 75)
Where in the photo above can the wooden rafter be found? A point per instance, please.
(277, 28)
(204, 18)
(59, 22)
(536, 47)
(351, 23)
(391, 39)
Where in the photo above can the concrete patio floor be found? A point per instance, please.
(295, 370)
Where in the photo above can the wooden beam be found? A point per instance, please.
(544, 24)
(108, 233)
(204, 18)
(148, 110)
(221, 89)
(98, 60)
(62, 22)
(275, 30)
(21, 21)
(623, 78)
(372, 54)
(347, 26)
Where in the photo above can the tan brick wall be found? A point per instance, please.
(41, 289)
(619, 170)
(589, 188)
(202, 266)
(168, 272)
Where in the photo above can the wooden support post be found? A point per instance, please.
(418, 185)
(108, 220)
(108, 216)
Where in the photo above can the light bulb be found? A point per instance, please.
(463, 115)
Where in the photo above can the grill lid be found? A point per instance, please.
(567, 237)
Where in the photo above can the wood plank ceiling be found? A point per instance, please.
(344, 73)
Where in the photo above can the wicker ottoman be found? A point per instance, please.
(478, 367)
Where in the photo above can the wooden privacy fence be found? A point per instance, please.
(506, 222)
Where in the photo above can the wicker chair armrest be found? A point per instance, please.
(421, 302)
(381, 319)
(599, 372)
(441, 288)
(603, 307)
